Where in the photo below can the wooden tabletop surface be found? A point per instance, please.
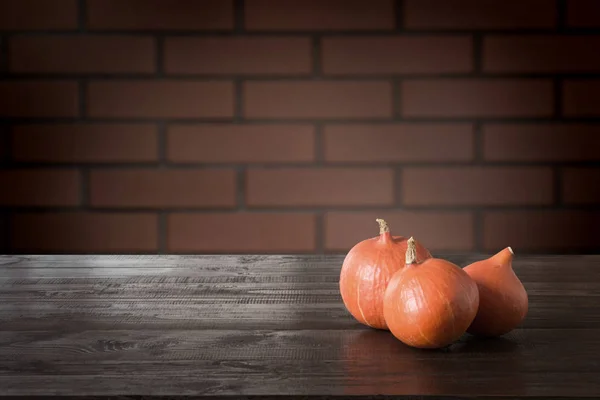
(272, 325)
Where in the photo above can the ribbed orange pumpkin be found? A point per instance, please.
(430, 303)
(366, 271)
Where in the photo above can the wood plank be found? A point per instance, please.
(550, 312)
(521, 350)
(472, 384)
(570, 268)
(250, 260)
(176, 288)
(162, 260)
(244, 302)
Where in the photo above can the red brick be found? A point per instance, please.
(220, 143)
(82, 54)
(478, 14)
(423, 186)
(238, 55)
(541, 142)
(581, 98)
(241, 232)
(39, 187)
(323, 99)
(98, 143)
(156, 188)
(397, 55)
(38, 99)
(439, 231)
(398, 142)
(160, 99)
(477, 98)
(30, 15)
(543, 230)
(82, 232)
(180, 15)
(319, 15)
(541, 53)
(583, 13)
(581, 185)
(319, 187)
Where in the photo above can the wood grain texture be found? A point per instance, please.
(257, 326)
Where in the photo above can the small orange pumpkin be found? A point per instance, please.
(503, 301)
(429, 303)
(366, 271)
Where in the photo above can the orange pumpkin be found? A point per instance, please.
(429, 303)
(366, 271)
(503, 301)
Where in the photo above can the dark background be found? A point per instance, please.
(289, 126)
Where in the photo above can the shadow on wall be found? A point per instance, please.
(289, 126)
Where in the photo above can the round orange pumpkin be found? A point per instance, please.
(366, 271)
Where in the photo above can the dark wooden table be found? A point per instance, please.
(271, 325)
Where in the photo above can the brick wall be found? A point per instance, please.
(260, 126)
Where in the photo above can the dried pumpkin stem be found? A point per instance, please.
(411, 251)
(383, 226)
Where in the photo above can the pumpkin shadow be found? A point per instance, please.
(480, 344)
(375, 362)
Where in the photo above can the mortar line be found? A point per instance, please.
(238, 16)
(268, 209)
(238, 99)
(375, 165)
(561, 15)
(159, 45)
(319, 147)
(317, 65)
(82, 15)
(4, 43)
(477, 53)
(571, 31)
(302, 77)
(306, 121)
(575, 120)
(161, 128)
(399, 16)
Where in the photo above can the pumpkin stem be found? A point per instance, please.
(505, 256)
(383, 226)
(411, 251)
